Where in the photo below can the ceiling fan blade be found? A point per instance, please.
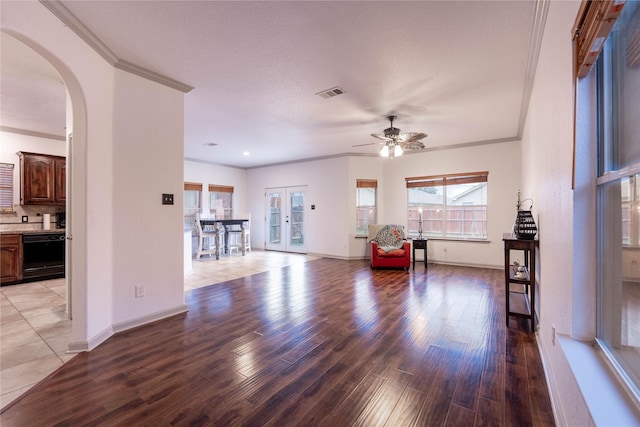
(382, 137)
(412, 145)
(362, 145)
(413, 136)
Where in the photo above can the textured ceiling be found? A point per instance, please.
(455, 70)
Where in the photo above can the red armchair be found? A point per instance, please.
(398, 258)
(388, 246)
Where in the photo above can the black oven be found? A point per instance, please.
(43, 256)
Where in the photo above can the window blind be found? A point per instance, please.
(6, 187)
(192, 186)
(591, 28)
(220, 188)
(449, 179)
(366, 183)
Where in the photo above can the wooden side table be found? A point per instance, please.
(419, 244)
(524, 301)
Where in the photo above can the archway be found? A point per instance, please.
(76, 271)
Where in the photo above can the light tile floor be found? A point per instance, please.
(35, 330)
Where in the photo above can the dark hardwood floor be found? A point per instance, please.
(327, 343)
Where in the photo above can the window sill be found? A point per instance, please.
(608, 404)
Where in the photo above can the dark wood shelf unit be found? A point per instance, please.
(520, 303)
(419, 244)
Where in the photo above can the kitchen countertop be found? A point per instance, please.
(53, 230)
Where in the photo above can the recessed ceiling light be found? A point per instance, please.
(246, 153)
(210, 144)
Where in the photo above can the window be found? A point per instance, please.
(192, 194)
(221, 197)
(6, 187)
(448, 206)
(618, 196)
(366, 212)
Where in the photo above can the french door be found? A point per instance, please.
(286, 219)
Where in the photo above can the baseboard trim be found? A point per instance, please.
(467, 264)
(551, 389)
(95, 341)
(153, 317)
(458, 264)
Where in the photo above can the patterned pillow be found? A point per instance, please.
(390, 237)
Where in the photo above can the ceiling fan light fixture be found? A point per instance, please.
(395, 143)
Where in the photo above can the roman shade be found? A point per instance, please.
(366, 183)
(450, 179)
(220, 188)
(590, 30)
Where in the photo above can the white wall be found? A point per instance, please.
(328, 228)
(503, 163)
(332, 189)
(147, 160)
(547, 170)
(98, 99)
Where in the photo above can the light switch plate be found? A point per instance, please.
(25, 218)
(167, 199)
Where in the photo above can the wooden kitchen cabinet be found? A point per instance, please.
(42, 179)
(10, 258)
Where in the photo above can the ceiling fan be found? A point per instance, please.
(395, 142)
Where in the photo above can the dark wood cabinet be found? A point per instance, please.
(42, 179)
(60, 177)
(10, 258)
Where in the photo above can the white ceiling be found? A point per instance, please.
(456, 70)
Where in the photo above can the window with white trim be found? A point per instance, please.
(221, 199)
(192, 197)
(366, 211)
(452, 206)
(618, 197)
(6, 187)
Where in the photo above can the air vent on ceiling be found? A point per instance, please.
(330, 93)
(210, 144)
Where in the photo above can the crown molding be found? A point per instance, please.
(32, 133)
(535, 43)
(82, 31)
(150, 75)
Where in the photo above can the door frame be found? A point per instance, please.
(285, 219)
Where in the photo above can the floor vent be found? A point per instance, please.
(330, 93)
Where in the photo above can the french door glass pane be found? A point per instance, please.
(297, 219)
(275, 214)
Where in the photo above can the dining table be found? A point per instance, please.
(219, 225)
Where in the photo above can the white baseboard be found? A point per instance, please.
(143, 320)
(93, 342)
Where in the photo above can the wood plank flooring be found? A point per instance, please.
(327, 343)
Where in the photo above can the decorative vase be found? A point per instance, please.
(524, 226)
